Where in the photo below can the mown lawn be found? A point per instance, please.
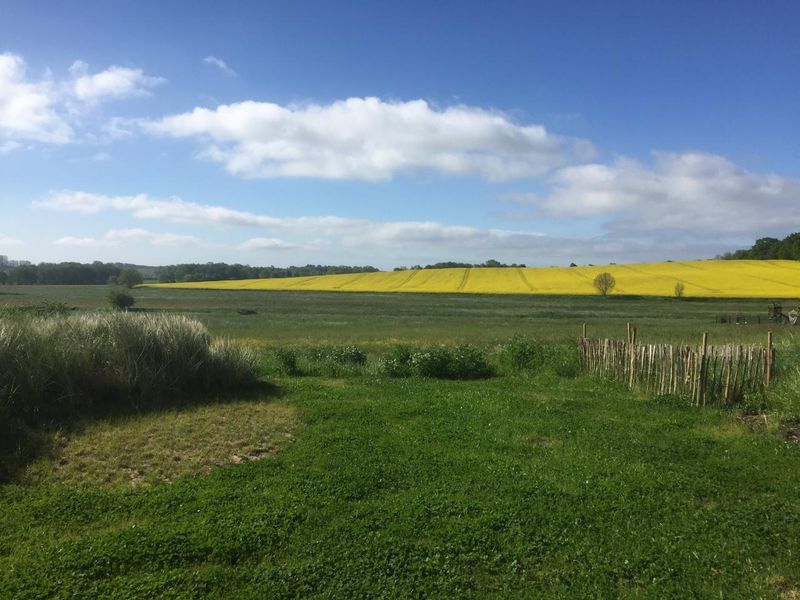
(408, 488)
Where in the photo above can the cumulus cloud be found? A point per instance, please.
(119, 237)
(369, 139)
(28, 108)
(690, 193)
(114, 82)
(44, 110)
(219, 64)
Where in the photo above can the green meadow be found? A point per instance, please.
(535, 482)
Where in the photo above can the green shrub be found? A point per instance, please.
(432, 362)
(441, 362)
(521, 354)
(397, 363)
(336, 361)
(120, 300)
(469, 362)
(286, 359)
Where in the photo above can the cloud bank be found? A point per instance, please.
(692, 194)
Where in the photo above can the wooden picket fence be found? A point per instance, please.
(703, 374)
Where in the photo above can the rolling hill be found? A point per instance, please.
(710, 278)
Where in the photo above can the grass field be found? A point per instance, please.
(528, 485)
(701, 279)
(409, 488)
(373, 320)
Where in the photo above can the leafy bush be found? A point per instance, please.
(432, 362)
(336, 361)
(441, 362)
(120, 299)
(522, 354)
(286, 359)
(397, 363)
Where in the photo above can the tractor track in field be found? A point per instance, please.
(524, 280)
(464, 279)
(406, 281)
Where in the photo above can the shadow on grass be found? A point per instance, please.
(21, 445)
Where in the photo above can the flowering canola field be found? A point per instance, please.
(708, 278)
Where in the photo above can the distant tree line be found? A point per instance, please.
(459, 265)
(769, 248)
(223, 271)
(66, 273)
(99, 273)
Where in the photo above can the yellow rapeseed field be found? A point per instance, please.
(708, 278)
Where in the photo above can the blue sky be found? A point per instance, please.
(394, 134)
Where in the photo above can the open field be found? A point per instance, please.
(701, 279)
(520, 485)
(406, 488)
(373, 320)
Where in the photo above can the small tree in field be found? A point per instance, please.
(120, 299)
(129, 278)
(604, 283)
(679, 290)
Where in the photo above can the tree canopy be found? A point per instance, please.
(769, 248)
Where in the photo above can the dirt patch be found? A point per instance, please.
(785, 590)
(755, 423)
(791, 430)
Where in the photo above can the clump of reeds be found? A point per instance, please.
(56, 367)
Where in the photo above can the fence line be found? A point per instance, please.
(705, 374)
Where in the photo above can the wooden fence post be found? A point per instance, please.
(583, 334)
(769, 358)
(701, 376)
(632, 352)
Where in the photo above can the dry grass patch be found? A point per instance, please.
(161, 446)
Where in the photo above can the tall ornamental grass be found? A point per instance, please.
(56, 367)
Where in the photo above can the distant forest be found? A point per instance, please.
(98, 273)
(67, 273)
(459, 265)
(769, 248)
(222, 271)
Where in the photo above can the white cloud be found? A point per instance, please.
(114, 82)
(219, 64)
(176, 210)
(6, 240)
(119, 237)
(693, 193)
(28, 108)
(46, 110)
(629, 236)
(267, 244)
(339, 238)
(10, 146)
(369, 139)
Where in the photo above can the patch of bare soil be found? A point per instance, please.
(791, 429)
